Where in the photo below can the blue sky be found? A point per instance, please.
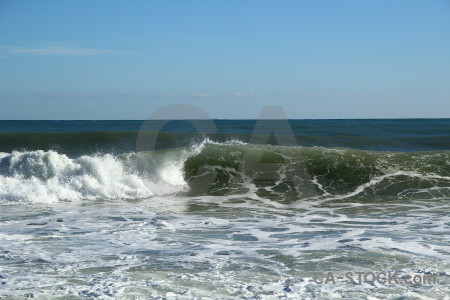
(317, 59)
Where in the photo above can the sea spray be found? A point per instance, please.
(295, 174)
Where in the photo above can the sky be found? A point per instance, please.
(84, 59)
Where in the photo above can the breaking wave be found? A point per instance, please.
(278, 173)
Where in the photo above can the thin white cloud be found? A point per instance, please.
(85, 95)
(247, 95)
(202, 95)
(311, 95)
(359, 94)
(60, 50)
(129, 95)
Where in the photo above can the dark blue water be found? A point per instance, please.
(332, 127)
(372, 134)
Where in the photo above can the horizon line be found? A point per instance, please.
(228, 119)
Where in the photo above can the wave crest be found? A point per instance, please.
(280, 173)
(46, 177)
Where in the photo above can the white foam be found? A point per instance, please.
(379, 179)
(44, 177)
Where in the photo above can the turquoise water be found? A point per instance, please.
(242, 209)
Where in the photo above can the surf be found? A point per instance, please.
(283, 174)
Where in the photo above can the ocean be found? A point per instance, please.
(225, 209)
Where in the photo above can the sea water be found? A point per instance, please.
(352, 209)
